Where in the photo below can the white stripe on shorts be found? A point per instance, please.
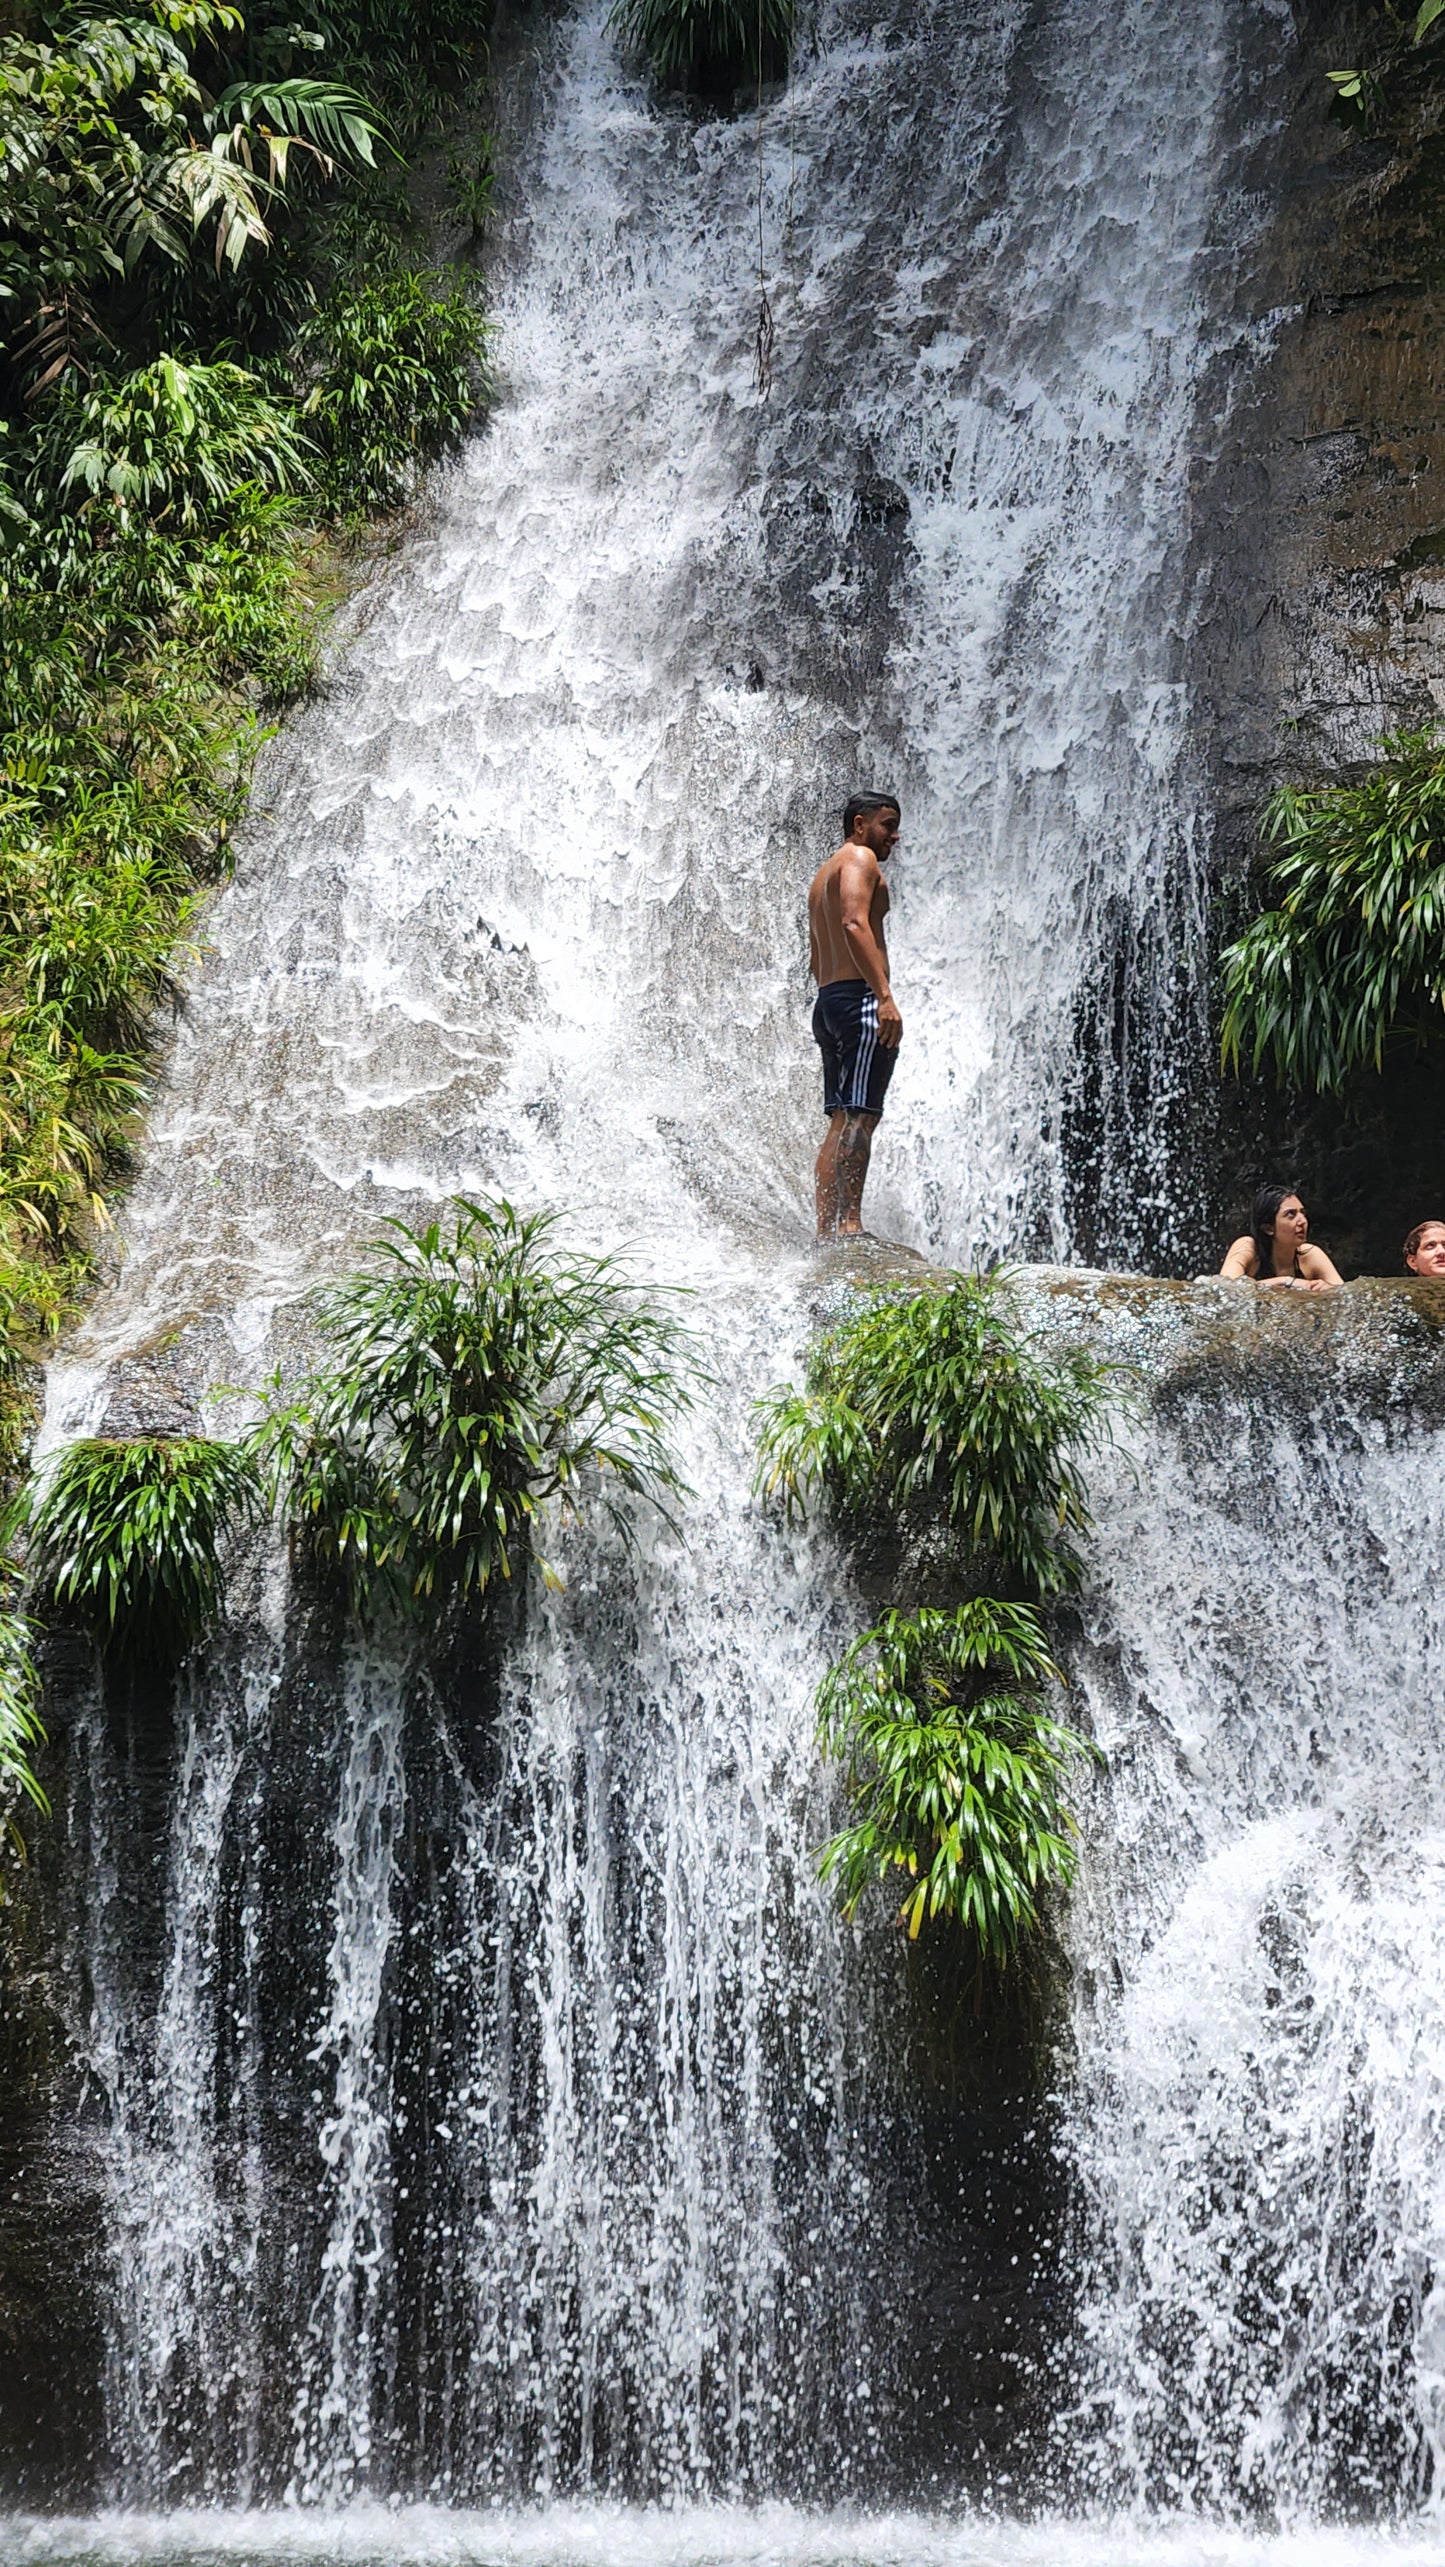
(858, 1101)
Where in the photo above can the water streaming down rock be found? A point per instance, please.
(1259, 1948)
(503, 2110)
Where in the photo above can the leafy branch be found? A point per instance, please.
(931, 1412)
(954, 1769)
(1354, 951)
(479, 1376)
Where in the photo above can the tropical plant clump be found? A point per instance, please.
(216, 338)
(478, 1375)
(126, 1537)
(1353, 954)
(710, 46)
(393, 370)
(954, 1767)
(21, 1729)
(931, 1413)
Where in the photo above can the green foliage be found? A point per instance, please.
(127, 726)
(1364, 91)
(478, 1374)
(707, 45)
(396, 373)
(930, 1411)
(183, 442)
(21, 1730)
(114, 155)
(127, 1536)
(416, 56)
(471, 181)
(1355, 950)
(181, 192)
(954, 1769)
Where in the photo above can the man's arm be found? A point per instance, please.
(858, 880)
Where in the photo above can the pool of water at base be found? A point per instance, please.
(701, 2536)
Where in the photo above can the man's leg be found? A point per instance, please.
(855, 1143)
(825, 1177)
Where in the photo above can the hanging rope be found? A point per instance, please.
(766, 332)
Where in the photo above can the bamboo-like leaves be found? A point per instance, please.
(705, 43)
(955, 1769)
(21, 1729)
(128, 1536)
(932, 1411)
(175, 440)
(479, 1375)
(1354, 951)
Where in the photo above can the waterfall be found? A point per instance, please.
(1259, 2101)
(507, 2112)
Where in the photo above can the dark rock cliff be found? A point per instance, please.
(1327, 501)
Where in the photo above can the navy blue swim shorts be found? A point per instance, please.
(856, 1066)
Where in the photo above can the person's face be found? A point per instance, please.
(1291, 1225)
(1429, 1257)
(879, 830)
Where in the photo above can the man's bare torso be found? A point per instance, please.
(829, 954)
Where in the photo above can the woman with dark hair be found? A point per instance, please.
(1275, 1249)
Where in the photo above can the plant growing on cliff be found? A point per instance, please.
(708, 45)
(931, 1414)
(21, 1730)
(955, 1770)
(195, 243)
(127, 1536)
(479, 1375)
(930, 1411)
(396, 370)
(1353, 953)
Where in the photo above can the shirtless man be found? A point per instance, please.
(1425, 1248)
(856, 1023)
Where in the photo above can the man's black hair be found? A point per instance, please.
(863, 805)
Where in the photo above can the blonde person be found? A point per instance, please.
(1275, 1250)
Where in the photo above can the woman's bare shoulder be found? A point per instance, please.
(1239, 1257)
(1316, 1266)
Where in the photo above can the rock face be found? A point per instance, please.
(1327, 499)
(51, 2228)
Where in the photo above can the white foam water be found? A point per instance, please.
(513, 2117)
(1258, 1945)
(702, 2536)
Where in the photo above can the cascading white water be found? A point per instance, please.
(548, 2013)
(1261, 2028)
